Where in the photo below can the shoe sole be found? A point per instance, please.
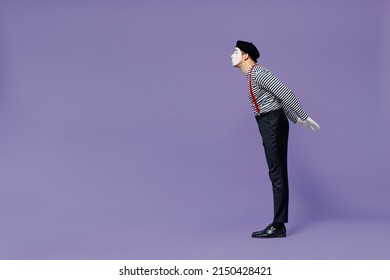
(264, 237)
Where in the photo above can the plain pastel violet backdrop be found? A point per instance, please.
(125, 133)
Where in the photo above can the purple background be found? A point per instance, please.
(126, 134)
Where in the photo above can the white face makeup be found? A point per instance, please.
(236, 57)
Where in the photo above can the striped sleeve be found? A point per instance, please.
(290, 103)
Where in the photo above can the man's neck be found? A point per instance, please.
(246, 66)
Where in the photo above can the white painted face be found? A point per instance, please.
(236, 57)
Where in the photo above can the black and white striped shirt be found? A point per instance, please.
(271, 94)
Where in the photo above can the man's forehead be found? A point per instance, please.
(237, 49)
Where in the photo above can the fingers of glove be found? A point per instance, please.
(313, 125)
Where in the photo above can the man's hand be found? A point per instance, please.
(309, 123)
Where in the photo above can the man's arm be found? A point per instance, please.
(283, 93)
(290, 104)
(293, 117)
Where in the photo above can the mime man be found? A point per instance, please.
(273, 103)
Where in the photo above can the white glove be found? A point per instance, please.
(309, 123)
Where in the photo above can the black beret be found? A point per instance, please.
(249, 48)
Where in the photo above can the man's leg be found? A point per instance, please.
(274, 128)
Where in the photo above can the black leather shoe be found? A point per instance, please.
(270, 232)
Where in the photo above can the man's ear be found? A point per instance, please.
(245, 56)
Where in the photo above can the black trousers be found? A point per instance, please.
(274, 128)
